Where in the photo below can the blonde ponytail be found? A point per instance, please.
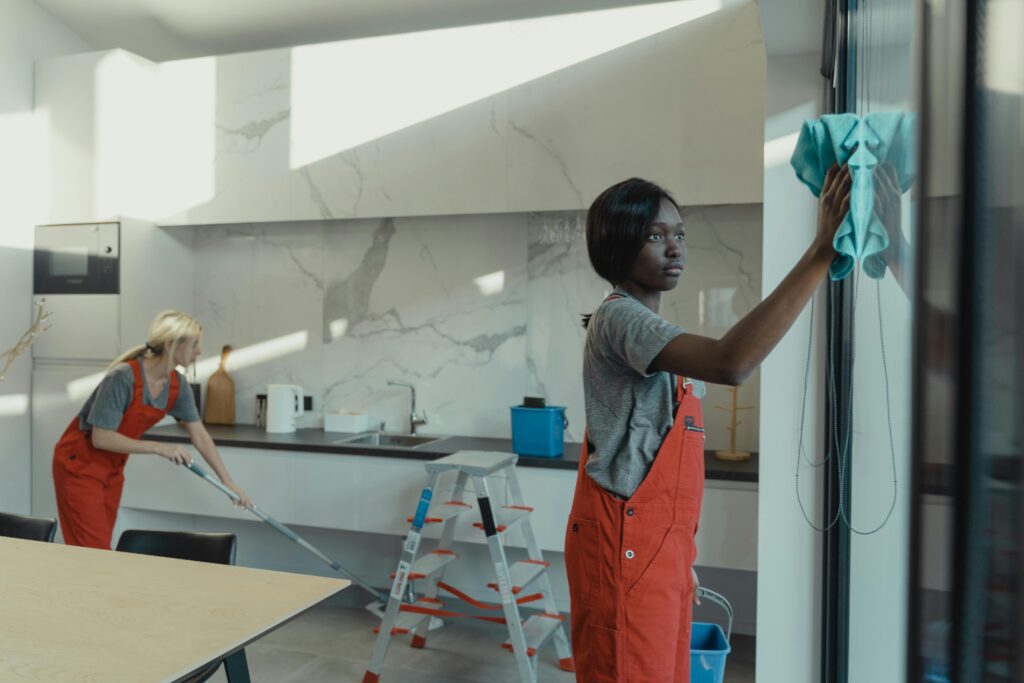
(167, 331)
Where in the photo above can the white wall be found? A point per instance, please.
(788, 557)
(27, 33)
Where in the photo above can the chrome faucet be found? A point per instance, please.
(414, 419)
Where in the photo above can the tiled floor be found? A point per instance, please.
(333, 641)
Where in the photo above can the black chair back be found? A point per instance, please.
(28, 528)
(190, 545)
(182, 545)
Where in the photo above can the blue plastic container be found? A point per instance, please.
(538, 432)
(708, 650)
(709, 644)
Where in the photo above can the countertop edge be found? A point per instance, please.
(714, 469)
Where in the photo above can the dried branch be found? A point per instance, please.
(27, 339)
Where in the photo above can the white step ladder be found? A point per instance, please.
(525, 638)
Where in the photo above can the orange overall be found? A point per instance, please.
(88, 481)
(629, 563)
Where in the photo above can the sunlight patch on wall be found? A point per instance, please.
(13, 405)
(348, 93)
(490, 284)
(79, 389)
(125, 149)
(777, 152)
(338, 328)
(255, 354)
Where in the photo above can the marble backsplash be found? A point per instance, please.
(476, 311)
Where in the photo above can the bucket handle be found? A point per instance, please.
(719, 599)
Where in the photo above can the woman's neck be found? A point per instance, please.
(156, 366)
(648, 297)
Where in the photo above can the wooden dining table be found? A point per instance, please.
(75, 614)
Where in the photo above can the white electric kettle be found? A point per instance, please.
(284, 404)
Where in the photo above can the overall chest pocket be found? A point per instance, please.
(583, 559)
(75, 462)
(695, 426)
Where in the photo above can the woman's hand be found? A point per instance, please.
(888, 204)
(243, 497)
(833, 205)
(889, 209)
(696, 586)
(177, 454)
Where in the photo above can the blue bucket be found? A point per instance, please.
(709, 645)
(538, 432)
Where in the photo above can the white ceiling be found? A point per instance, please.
(161, 30)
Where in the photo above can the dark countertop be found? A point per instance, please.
(319, 441)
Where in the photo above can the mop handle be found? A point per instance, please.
(281, 528)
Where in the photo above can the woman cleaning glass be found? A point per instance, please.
(630, 545)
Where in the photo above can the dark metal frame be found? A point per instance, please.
(838, 43)
(915, 669)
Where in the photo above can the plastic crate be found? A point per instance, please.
(538, 432)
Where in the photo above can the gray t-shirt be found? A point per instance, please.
(629, 408)
(109, 401)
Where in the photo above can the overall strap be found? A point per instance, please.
(137, 387)
(172, 393)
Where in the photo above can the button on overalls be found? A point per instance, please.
(88, 480)
(629, 563)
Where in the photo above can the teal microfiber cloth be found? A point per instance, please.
(864, 142)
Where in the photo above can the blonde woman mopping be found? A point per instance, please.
(141, 387)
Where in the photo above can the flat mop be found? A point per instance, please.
(376, 608)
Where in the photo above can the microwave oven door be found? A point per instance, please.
(77, 259)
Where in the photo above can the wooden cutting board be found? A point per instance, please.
(220, 394)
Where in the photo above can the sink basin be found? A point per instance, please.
(384, 439)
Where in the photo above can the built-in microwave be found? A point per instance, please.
(77, 259)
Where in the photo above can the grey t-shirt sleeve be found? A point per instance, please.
(634, 334)
(184, 408)
(107, 405)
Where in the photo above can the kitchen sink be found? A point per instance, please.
(385, 439)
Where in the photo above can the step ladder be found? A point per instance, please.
(525, 638)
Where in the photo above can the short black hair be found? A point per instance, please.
(616, 225)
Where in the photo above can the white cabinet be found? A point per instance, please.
(376, 495)
(537, 119)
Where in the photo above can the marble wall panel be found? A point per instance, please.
(475, 311)
(439, 302)
(652, 108)
(453, 163)
(720, 284)
(311, 133)
(562, 287)
(251, 138)
(260, 289)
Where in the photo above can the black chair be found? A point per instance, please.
(180, 545)
(28, 528)
(200, 547)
